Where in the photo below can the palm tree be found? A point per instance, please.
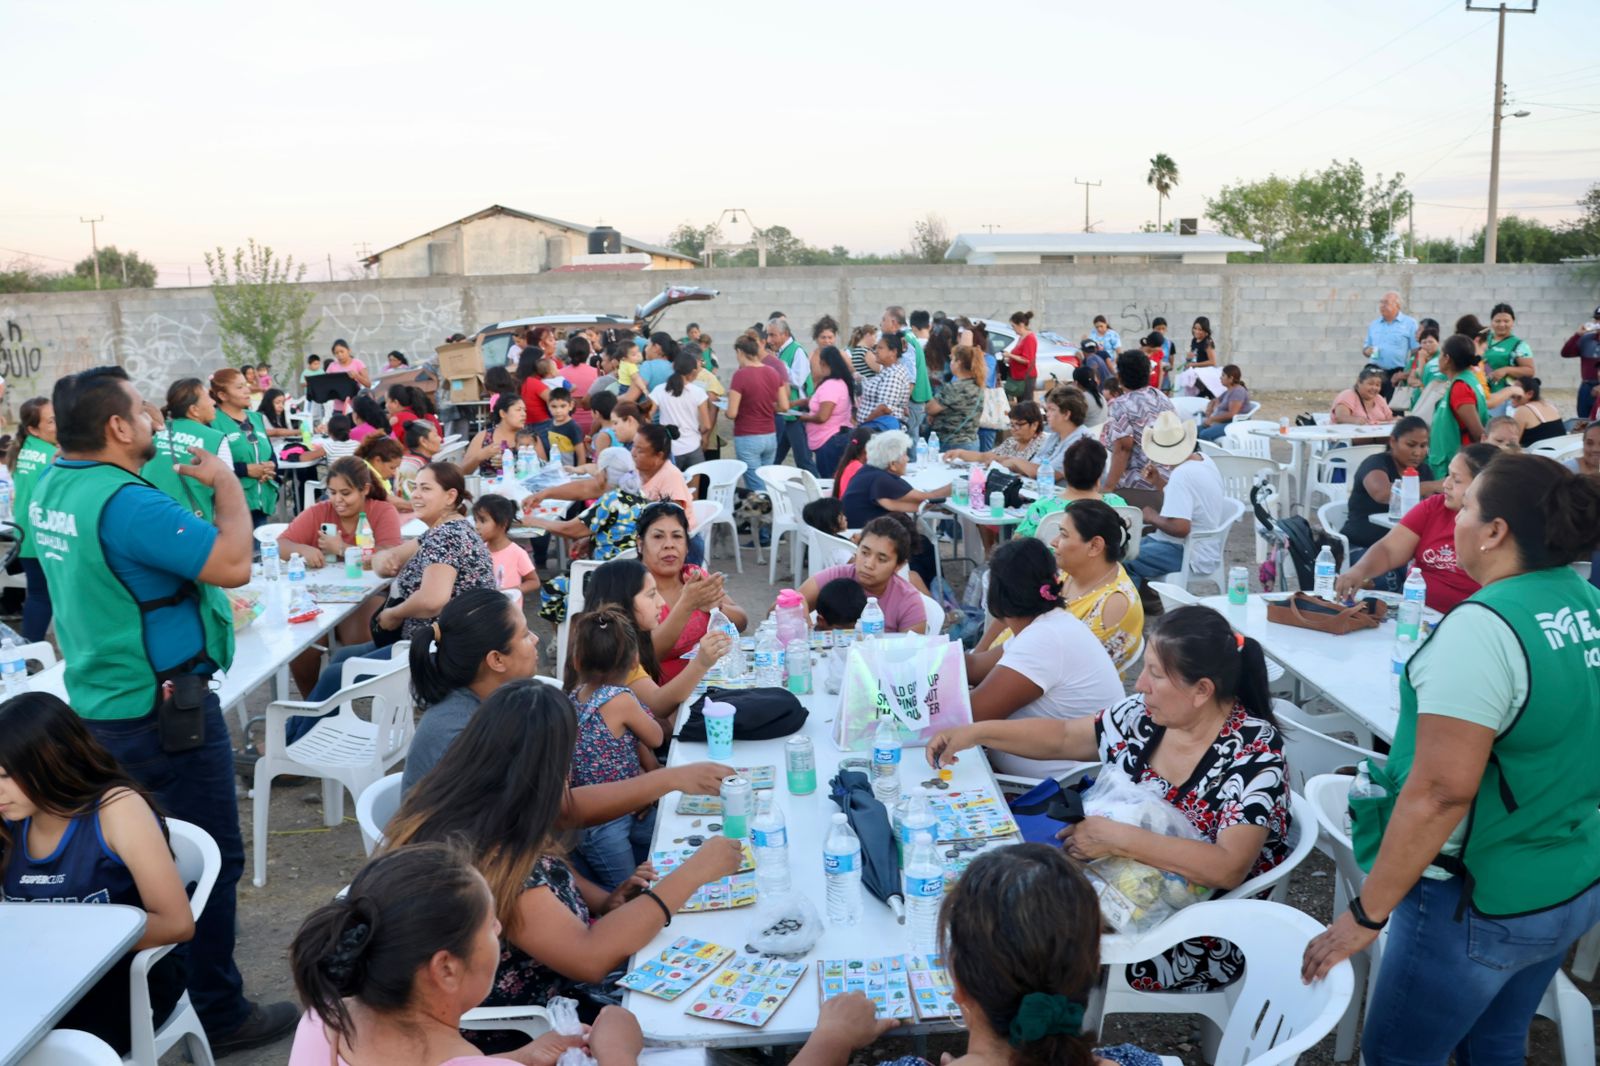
(1163, 177)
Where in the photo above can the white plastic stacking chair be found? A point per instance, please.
(794, 491)
(40, 651)
(533, 1022)
(1242, 441)
(1239, 473)
(1562, 1003)
(581, 569)
(313, 490)
(722, 478)
(1311, 752)
(1186, 574)
(1559, 447)
(1190, 407)
(346, 751)
(1268, 1016)
(702, 514)
(72, 1047)
(1248, 411)
(1331, 516)
(1133, 518)
(935, 616)
(1348, 460)
(374, 807)
(828, 550)
(199, 862)
(1049, 528)
(785, 519)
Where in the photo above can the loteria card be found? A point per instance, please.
(759, 777)
(931, 990)
(974, 814)
(884, 981)
(725, 894)
(677, 969)
(748, 990)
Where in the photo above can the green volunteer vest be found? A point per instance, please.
(1501, 354)
(262, 496)
(789, 354)
(1444, 440)
(921, 388)
(1532, 836)
(33, 458)
(98, 622)
(172, 446)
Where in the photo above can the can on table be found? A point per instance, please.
(997, 504)
(738, 803)
(1238, 584)
(800, 758)
(352, 562)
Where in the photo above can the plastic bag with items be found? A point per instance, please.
(1135, 897)
(789, 927)
(564, 1020)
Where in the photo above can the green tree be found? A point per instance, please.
(260, 306)
(691, 240)
(1290, 217)
(1163, 178)
(930, 238)
(125, 268)
(1527, 240)
(1257, 211)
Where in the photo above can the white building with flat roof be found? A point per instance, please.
(1032, 249)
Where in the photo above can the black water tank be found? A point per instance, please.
(603, 240)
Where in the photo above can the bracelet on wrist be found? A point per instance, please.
(666, 912)
(1359, 913)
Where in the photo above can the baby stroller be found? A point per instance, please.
(1293, 536)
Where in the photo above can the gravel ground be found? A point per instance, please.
(309, 863)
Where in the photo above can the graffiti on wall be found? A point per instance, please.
(19, 358)
(158, 349)
(1139, 319)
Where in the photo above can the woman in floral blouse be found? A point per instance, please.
(1200, 727)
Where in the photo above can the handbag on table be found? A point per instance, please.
(1305, 611)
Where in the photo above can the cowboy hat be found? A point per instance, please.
(1170, 440)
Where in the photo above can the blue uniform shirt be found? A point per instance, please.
(1392, 342)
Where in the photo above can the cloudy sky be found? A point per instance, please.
(320, 128)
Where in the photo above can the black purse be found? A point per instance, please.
(1009, 485)
(758, 714)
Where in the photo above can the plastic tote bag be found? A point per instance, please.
(1135, 897)
(917, 681)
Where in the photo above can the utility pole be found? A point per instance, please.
(1491, 233)
(330, 266)
(990, 227)
(1087, 185)
(94, 244)
(1411, 230)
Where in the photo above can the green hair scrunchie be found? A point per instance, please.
(1043, 1014)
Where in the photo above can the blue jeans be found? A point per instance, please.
(916, 415)
(968, 445)
(196, 786)
(36, 609)
(1468, 985)
(615, 849)
(1211, 433)
(329, 682)
(1388, 581)
(756, 449)
(791, 436)
(986, 439)
(697, 550)
(542, 431)
(1586, 390)
(1157, 558)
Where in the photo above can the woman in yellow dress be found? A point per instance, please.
(1089, 549)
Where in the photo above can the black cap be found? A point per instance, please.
(1154, 340)
(1089, 346)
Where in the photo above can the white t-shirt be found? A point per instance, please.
(1059, 654)
(681, 411)
(1195, 491)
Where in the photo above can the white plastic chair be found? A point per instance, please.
(722, 478)
(531, 1021)
(313, 489)
(1173, 596)
(1268, 1016)
(1215, 448)
(1331, 516)
(1559, 447)
(1049, 528)
(1248, 411)
(199, 862)
(785, 518)
(374, 807)
(1348, 460)
(346, 751)
(72, 1047)
(581, 569)
(935, 615)
(267, 535)
(828, 551)
(794, 490)
(702, 514)
(1133, 518)
(40, 651)
(1239, 473)
(1219, 536)
(1190, 407)
(1309, 749)
(1242, 441)
(1562, 1003)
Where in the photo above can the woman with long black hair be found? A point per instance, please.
(830, 410)
(682, 404)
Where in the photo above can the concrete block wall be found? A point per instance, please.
(1288, 326)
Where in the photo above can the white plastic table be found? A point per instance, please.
(808, 817)
(1302, 441)
(68, 947)
(1350, 670)
(1385, 519)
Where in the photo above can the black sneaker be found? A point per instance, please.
(263, 1026)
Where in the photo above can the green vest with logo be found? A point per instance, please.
(1444, 441)
(172, 446)
(787, 355)
(921, 387)
(1532, 836)
(249, 443)
(98, 622)
(33, 458)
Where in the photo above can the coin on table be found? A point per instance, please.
(695, 840)
(715, 827)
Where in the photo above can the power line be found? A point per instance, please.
(1559, 107)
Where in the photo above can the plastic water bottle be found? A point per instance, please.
(1396, 508)
(872, 618)
(299, 594)
(305, 432)
(7, 494)
(886, 762)
(841, 866)
(1405, 646)
(918, 818)
(1363, 787)
(1410, 489)
(934, 451)
(1415, 596)
(731, 665)
(524, 453)
(769, 667)
(1045, 481)
(1323, 588)
(923, 885)
(770, 839)
(271, 566)
(13, 670)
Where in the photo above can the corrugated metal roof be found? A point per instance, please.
(968, 244)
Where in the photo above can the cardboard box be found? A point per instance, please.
(459, 360)
(465, 390)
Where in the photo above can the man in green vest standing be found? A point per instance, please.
(894, 321)
(142, 621)
(797, 362)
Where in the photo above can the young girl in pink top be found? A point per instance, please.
(494, 516)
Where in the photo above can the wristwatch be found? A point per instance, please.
(1359, 913)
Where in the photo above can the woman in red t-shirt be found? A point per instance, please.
(535, 393)
(1022, 359)
(1426, 538)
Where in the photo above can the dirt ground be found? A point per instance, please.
(308, 863)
